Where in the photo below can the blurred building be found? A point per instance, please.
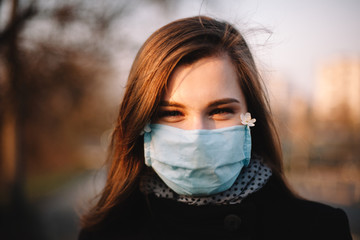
(319, 135)
(336, 112)
(337, 91)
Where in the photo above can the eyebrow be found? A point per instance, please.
(211, 104)
(171, 104)
(223, 101)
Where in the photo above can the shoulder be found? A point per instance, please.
(318, 213)
(293, 215)
(319, 220)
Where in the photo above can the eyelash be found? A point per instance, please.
(176, 113)
(221, 111)
(172, 113)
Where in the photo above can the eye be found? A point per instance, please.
(221, 113)
(164, 115)
(169, 113)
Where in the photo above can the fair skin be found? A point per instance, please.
(203, 95)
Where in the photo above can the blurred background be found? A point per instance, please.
(64, 65)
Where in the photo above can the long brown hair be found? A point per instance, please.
(181, 42)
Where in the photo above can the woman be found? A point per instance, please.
(187, 160)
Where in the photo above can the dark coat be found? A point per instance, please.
(270, 213)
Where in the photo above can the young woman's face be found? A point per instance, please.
(203, 95)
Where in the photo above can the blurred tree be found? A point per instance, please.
(54, 59)
(12, 114)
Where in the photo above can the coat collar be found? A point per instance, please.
(218, 221)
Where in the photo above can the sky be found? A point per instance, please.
(292, 38)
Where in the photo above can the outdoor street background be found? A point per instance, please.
(63, 69)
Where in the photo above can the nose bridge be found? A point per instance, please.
(199, 121)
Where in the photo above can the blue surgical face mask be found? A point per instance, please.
(197, 162)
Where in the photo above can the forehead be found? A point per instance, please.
(212, 77)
